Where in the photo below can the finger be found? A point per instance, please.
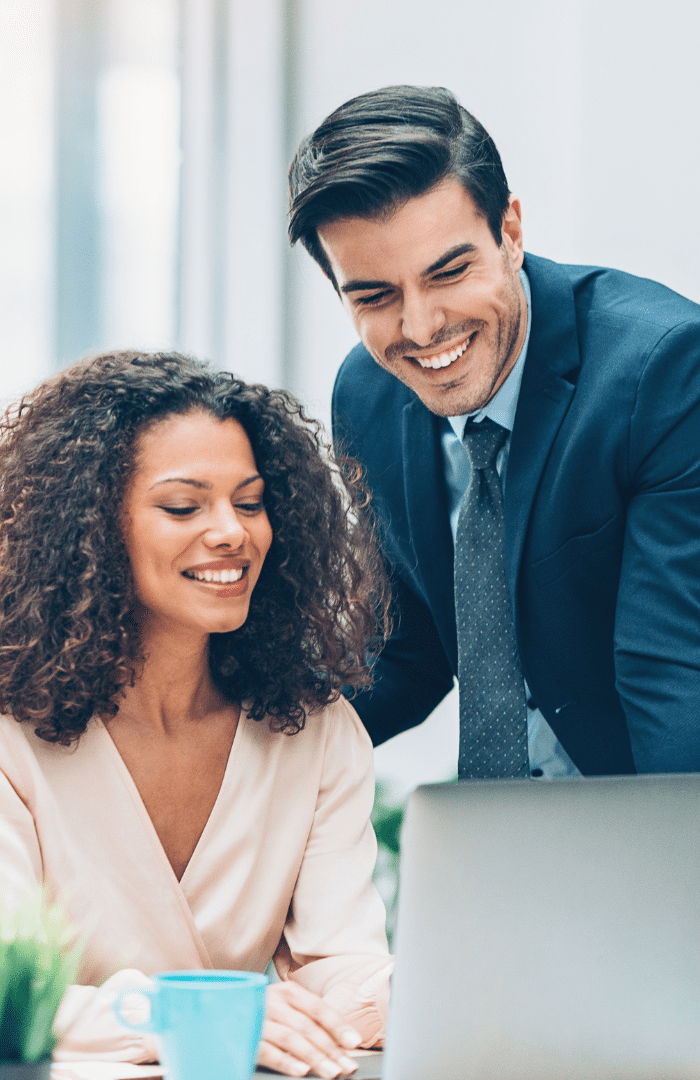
(271, 1057)
(326, 1017)
(289, 1021)
(327, 1062)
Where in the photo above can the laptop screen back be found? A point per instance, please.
(549, 930)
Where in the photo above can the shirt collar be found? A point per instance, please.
(501, 408)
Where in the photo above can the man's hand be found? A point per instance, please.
(301, 1033)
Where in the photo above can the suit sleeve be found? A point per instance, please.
(411, 675)
(657, 629)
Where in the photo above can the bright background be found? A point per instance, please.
(144, 147)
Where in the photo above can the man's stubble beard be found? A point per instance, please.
(468, 399)
(505, 351)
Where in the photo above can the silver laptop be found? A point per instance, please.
(549, 930)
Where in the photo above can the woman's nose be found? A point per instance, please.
(226, 528)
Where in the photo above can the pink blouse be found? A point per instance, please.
(283, 870)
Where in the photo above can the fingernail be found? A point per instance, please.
(328, 1068)
(349, 1065)
(351, 1038)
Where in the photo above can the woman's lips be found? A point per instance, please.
(228, 581)
(225, 576)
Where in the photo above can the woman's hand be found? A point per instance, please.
(301, 1033)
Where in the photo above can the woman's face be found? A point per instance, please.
(195, 525)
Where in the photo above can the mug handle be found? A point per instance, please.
(129, 991)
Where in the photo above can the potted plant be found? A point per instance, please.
(387, 819)
(38, 961)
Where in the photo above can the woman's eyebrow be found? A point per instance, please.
(201, 483)
(250, 480)
(181, 480)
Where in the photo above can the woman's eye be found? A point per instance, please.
(251, 508)
(179, 511)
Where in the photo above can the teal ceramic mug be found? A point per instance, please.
(208, 1023)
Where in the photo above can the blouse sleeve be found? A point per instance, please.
(85, 1022)
(334, 941)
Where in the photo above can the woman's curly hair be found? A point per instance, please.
(68, 639)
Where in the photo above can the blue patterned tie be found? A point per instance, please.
(492, 707)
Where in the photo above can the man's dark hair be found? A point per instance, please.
(379, 150)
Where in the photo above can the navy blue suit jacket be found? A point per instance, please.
(602, 523)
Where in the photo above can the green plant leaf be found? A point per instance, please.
(38, 961)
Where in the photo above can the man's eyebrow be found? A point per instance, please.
(357, 285)
(202, 484)
(453, 253)
(360, 285)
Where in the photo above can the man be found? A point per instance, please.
(538, 424)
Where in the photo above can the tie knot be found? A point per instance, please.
(483, 441)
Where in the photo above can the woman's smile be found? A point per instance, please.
(214, 575)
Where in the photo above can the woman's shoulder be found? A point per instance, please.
(338, 722)
(17, 761)
(331, 733)
(347, 748)
(25, 757)
(12, 736)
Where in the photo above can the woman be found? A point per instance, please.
(185, 585)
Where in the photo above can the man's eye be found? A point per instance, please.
(453, 272)
(375, 298)
(179, 511)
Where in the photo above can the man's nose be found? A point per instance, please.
(422, 318)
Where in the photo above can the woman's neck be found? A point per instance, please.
(174, 732)
(173, 684)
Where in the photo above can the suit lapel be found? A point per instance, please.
(545, 395)
(428, 517)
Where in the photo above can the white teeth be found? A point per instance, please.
(220, 577)
(443, 359)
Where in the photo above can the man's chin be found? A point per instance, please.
(452, 399)
(443, 391)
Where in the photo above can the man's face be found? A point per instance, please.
(435, 300)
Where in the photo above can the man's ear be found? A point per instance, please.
(512, 232)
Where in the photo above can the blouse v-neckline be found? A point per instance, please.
(145, 818)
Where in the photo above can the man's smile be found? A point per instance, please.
(444, 358)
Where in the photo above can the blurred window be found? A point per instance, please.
(26, 224)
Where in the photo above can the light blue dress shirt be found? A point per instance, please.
(548, 758)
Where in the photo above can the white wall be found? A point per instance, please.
(26, 242)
